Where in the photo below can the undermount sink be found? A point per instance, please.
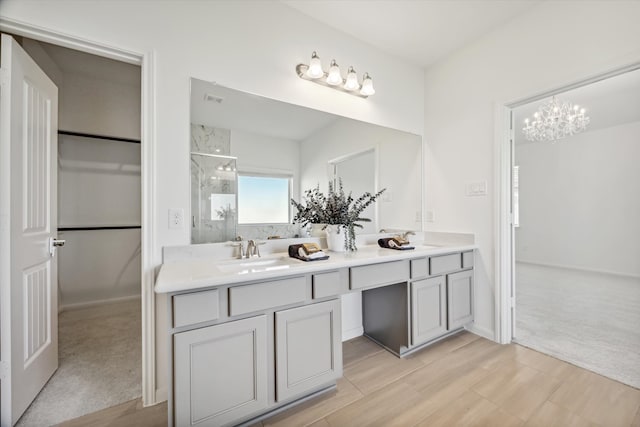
(243, 266)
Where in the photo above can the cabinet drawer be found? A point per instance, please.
(467, 259)
(261, 296)
(379, 274)
(444, 264)
(195, 307)
(419, 268)
(326, 284)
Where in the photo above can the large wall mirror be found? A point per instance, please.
(250, 155)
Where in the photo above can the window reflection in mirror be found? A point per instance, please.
(263, 199)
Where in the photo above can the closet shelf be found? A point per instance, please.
(100, 227)
(90, 135)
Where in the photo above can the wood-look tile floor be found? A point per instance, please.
(463, 380)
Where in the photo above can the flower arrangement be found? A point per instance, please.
(335, 208)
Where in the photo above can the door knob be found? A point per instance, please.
(54, 243)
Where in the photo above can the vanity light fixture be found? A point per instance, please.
(367, 85)
(333, 78)
(352, 80)
(315, 70)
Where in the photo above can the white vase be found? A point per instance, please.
(335, 238)
(316, 230)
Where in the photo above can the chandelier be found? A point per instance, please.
(555, 120)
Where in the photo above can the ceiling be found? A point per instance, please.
(610, 102)
(72, 61)
(255, 114)
(420, 32)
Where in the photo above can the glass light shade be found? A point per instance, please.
(352, 80)
(334, 78)
(315, 67)
(554, 120)
(367, 86)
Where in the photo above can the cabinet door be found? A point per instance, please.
(460, 298)
(308, 348)
(220, 372)
(428, 309)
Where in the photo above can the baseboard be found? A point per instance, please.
(82, 305)
(574, 268)
(161, 395)
(480, 331)
(352, 333)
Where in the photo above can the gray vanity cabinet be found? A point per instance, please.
(428, 309)
(220, 372)
(308, 348)
(460, 298)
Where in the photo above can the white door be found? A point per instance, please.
(515, 198)
(28, 270)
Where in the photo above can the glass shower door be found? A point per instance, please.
(214, 185)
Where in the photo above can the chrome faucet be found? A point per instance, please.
(252, 249)
(238, 244)
(407, 234)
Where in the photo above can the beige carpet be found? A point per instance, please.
(588, 319)
(100, 364)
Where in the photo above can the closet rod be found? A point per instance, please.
(89, 135)
(114, 227)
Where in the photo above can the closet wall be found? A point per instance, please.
(98, 178)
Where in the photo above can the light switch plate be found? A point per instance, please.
(476, 188)
(176, 218)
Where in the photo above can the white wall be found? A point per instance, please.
(251, 46)
(399, 171)
(554, 44)
(100, 106)
(257, 153)
(44, 61)
(580, 201)
(98, 185)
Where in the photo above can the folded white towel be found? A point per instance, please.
(314, 255)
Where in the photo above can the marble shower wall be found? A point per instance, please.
(210, 140)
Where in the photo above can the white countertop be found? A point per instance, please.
(199, 273)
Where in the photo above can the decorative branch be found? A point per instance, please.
(335, 208)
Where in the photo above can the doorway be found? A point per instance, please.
(575, 239)
(99, 216)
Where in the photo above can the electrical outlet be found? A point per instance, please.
(176, 218)
(430, 216)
